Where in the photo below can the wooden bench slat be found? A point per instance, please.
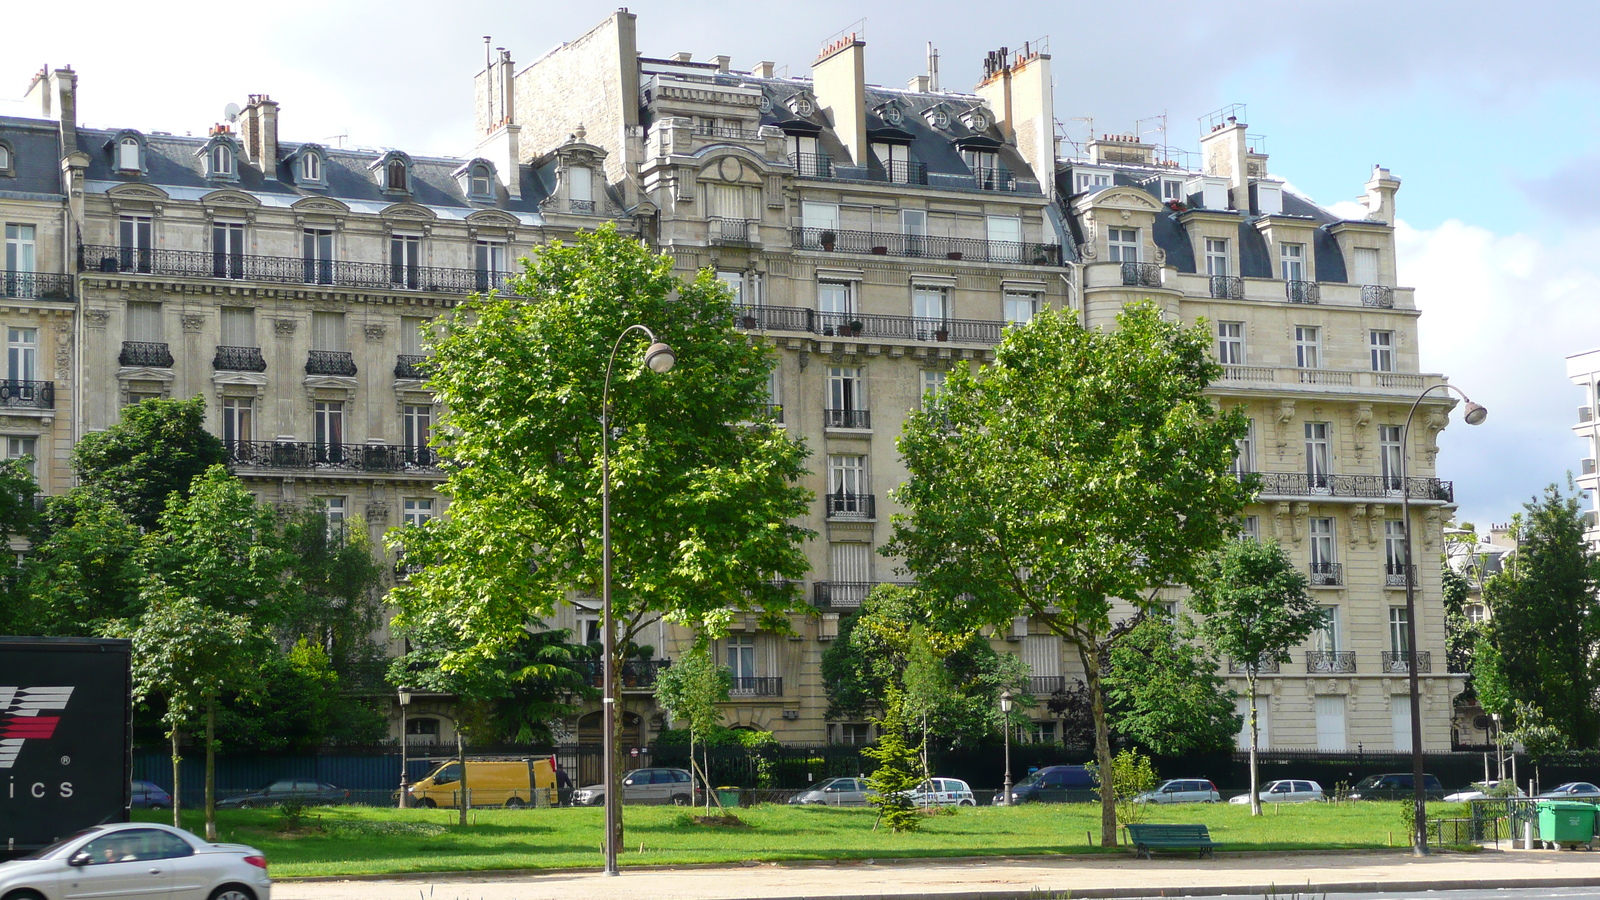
(1186, 837)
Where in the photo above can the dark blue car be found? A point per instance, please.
(149, 795)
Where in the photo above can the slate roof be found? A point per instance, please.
(35, 164)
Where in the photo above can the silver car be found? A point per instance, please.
(834, 792)
(1285, 792)
(658, 786)
(138, 860)
(1182, 790)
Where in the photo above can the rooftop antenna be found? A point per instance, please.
(341, 138)
(231, 112)
(933, 68)
(488, 85)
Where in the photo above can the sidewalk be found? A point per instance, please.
(998, 879)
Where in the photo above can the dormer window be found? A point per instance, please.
(802, 106)
(1172, 190)
(218, 156)
(977, 120)
(311, 167)
(580, 189)
(394, 176)
(938, 116)
(221, 160)
(393, 172)
(6, 164)
(479, 184)
(128, 155)
(893, 116)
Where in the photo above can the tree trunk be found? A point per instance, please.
(1102, 746)
(177, 792)
(1255, 738)
(211, 769)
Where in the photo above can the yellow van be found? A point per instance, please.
(512, 783)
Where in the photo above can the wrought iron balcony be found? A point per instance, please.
(145, 353)
(926, 246)
(1243, 667)
(1398, 663)
(851, 506)
(35, 285)
(756, 686)
(345, 457)
(1377, 295)
(1138, 274)
(633, 674)
(898, 171)
(1330, 662)
(1302, 292)
(1042, 685)
(994, 178)
(1396, 575)
(894, 328)
(330, 362)
(239, 359)
(729, 132)
(1295, 484)
(841, 594)
(1327, 574)
(290, 270)
(732, 232)
(1227, 287)
(847, 418)
(28, 394)
(812, 165)
(407, 366)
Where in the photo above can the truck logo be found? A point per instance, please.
(20, 719)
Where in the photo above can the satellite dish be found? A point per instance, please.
(231, 112)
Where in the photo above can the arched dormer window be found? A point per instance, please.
(127, 152)
(221, 160)
(476, 179)
(479, 183)
(395, 177)
(220, 157)
(309, 162)
(8, 163)
(311, 167)
(393, 172)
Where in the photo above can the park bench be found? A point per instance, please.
(1146, 838)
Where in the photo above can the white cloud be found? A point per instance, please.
(1500, 314)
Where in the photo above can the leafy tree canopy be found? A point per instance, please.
(155, 450)
(1165, 693)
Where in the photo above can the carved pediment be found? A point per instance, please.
(492, 218)
(1117, 197)
(323, 205)
(231, 198)
(732, 168)
(146, 192)
(410, 213)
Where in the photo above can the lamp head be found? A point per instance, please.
(1475, 413)
(660, 358)
(405, 697)
(1005, 701)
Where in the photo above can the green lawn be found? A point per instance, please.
(365, 840)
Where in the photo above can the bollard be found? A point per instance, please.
(1527, 835)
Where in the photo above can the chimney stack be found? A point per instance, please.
(53, 94)
(682, 56)
(1381, 189)
(839, 78)
(765, 69)
(723, 62)
(259, 129)
(1224, 153)
(1018, 89)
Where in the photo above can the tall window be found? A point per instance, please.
(734, 282)
(491, 264)
(327, 331)
(133, 233)
(416, 510)
(416, 425)
(128, 155)
(847, 475)
(1322, 558)
(1292, 261)
(1020, 307)
(847, 397)
(411, 334)
(1319, 454)
(932, 384)
(930, 307)
(580, 188)
(1216, 256)
(22, 354)
(1005, 238)
(21, 249)
(144, 322)
(1399, 640)
(1365, 266)
(221, 159)
(405, 260)
(1308, 346)
(336, 510)
(311, 167)
(806, 154)
(836, 302)
(986, 167)
(1326, 637)
(1244, 461)
(238, 326)
(1230, 343)
(227, 250)
(1124, 244)
(317, 247)
(741, 654)
(1382, 350)
(237, 418)
(329, 430)
(895, 160)
(24, 448)
(914, 225)
(395, 176)
(478, 184)
(1389, 451)
(1394, 546)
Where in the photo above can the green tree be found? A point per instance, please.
(691, 691)
(1164, 691)
(337, 602)
(155, 450)
(899, 770)
(1082, 468)
(1544, 624)
(1256, 607)
(1131, 775)
(298, 703)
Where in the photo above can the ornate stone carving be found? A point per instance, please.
(1298, 520)
(284, 327)
(1161, 256)
(192, 322)
(96, 318)
(377, 513)
(1358, 515)
(375, 331)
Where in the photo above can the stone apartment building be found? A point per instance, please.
(875, 237)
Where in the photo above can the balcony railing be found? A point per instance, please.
(844, 594)
(291, 270)
(330, 362)
(1330, 662)
(1327, 574)
(812, 165)
(899, 328)
(1302, 292)
(1395, 575)
(1227, 287)
(851, 506)
(1044, 685)
(1242, 667)
(1378, 295)
(28, 394)
(35, 285)
(756, 686)
(994, 178)
(1138, 274)
(346, 457)
(730, 132)
(899, 171)
(239, 359)
(145, 353)
(409, 367)
(926, 246)
(847, 418)
(1294, 484)
(633, 673)
(1361, 378)
(1397, 663)
(731, 232)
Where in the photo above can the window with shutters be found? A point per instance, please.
(238, 326)
(144, 322)
(327, 331)
(412, 334)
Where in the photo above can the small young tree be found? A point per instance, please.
(1256, 607)
(899, 769)
(1131, 775)
(690, 690)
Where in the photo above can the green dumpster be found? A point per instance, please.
(729, 797)
(1566, 823)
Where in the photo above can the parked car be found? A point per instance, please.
(943, 792)
(1285, 791)
(1573, 790)
(658, 786)
(512, 783)
(1482, 789)
(149, 795)
(1395, 786)
(834, 792)
(1052, 784)
(298, 790)
(1182, 790)
(137, 861)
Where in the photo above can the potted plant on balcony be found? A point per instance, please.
(942, 334)
(953, 254)
(880, 249)
(749, 321)
(828, 239)
(856, 327)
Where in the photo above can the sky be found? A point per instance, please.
(1489, 114)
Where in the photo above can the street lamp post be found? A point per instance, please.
(1475, 414)
(659, 358)
(405, 701)
(1005, 710)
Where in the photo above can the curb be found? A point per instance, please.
(1264, 890)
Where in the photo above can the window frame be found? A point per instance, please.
(1308, 346)
(1292, 262)
(1231, 347)
(1120, 243)
(1217, 257)
(1382, 350)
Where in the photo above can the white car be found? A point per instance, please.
(136, 860)
(1479, 791)
(1286, 792)
(1182, 790)
(943, 792)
